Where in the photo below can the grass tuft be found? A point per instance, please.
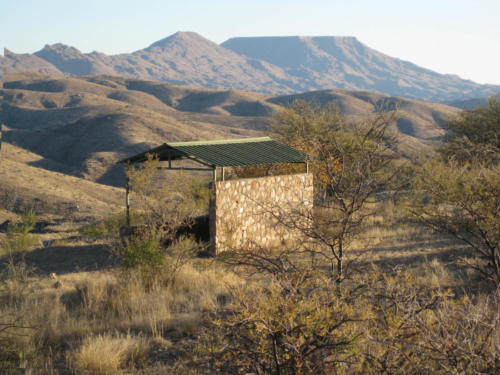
(107, 354)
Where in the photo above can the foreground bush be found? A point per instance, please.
(296, 321)
(310, 329)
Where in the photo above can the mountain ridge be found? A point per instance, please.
(270, 65)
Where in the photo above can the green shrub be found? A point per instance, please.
(19, 237)
(143, 252)
(109, 226)
(200, 192)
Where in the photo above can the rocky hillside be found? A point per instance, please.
(270, 65)
(82, 125)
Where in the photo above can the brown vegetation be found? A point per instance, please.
(406, 302)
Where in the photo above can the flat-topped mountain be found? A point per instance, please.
(345, 62)
(270, 65)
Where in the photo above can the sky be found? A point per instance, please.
(451, 37)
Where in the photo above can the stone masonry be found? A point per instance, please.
(257, 212)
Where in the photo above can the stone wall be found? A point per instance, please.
(254, 212)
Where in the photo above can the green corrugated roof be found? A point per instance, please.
(227, 152)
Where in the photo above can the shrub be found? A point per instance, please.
(19, 237)
(464, 202)
(109, 226)
(9, 351)
(474, 135)
(142, 252)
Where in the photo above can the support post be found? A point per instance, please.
(215, 173)
(307, 167)
(223, 174)
(127, 198)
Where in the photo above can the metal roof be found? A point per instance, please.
(226, 153)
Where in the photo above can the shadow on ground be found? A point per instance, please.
(68, 259)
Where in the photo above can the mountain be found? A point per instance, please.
(13, 62)
(344, 62)
(80, 126)
(270, 65)
(183, 58)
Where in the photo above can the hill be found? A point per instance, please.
(80, 126)
(26, 182)
(420, 126)
(471, 104)
(270, 65)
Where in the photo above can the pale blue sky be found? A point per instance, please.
(455, 37)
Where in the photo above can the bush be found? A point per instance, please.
(474, 135)
(19, 237)
(109, 226)
(378, 323)
(10, 354)
(463, 201)
(297, 327)
(142, 252)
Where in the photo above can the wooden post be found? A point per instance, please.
(223, 174)
(215, 173)
(307, 167)
(127, 198)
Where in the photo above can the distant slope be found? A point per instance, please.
(59, 193)
(82, 125)
(344, 62)
(420, 125)
(270, 65)
(82, 128)
(471, 104)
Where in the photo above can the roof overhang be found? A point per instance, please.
(225, 153)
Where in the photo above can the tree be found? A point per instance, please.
(353, 163)
(474, 135)
(459, 192)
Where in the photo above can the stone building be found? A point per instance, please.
(250, 212)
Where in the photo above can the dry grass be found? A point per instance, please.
(79, 315)
(108, 353)
(87, 306)
(391, 242)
